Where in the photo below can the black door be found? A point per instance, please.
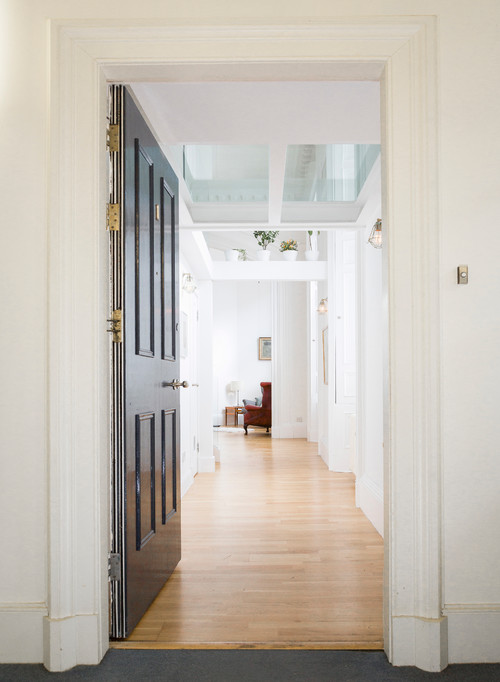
(147, 517)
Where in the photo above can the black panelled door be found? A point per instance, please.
(151, 408)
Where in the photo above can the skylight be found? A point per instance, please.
(327, 172)
(227, 173)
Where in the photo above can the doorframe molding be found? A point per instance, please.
(84, 56)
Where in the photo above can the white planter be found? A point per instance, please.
(289, 255)
(231, 254)
(311, 255)
(263, 254)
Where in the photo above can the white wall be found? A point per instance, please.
(370, 436)
(242, 314)
(189, 398)
(468, 57)
(290, 364)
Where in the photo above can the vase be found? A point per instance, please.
(263, 254)
(289, 255)
(311, 255)
(231, 254)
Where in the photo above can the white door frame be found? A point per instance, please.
(84, 56)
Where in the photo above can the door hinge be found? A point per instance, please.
(113, 217)
(116, 325)
(113, 138)
(115, 566)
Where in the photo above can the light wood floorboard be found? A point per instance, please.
(275, 555)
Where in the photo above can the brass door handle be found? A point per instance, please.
(175, 384)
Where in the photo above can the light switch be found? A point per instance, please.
(463, 274)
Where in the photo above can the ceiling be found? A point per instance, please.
(275, 114)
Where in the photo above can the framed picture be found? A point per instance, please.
(264, 347)
(325, 355)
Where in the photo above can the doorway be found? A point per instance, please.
(78, 198)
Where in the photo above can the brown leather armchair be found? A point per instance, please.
(259, 416)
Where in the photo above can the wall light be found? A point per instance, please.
(375, 238)
(323, 306)
(188, 283)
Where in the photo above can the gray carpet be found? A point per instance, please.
(248, 666)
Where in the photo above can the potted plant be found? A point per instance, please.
(264, 239)
(312, 252)
(289, 249)
(231, 254)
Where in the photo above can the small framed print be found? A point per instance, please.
(264, 347)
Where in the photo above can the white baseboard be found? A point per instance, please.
(323, 451)
(473, 633)
(370, 499)
(206, 464)
(71, 641)
(421, 642)
(21, 632)
(294, 430)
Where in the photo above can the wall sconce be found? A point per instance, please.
(323, 306)
(188, 283)
(375, 238)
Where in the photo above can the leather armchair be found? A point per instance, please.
(260, 416)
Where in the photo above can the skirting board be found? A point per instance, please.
(71, 641)
(21, 632)
(295, 430)
(473, 633)
(370, 499)
(421, 642)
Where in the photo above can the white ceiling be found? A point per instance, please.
(262, 113)
(272, 113)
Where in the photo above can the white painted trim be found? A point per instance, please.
(473, 633)
(71, 641)
(275, 270)
(82, 56)
(21, 625)
(370, 499)
(422, 642)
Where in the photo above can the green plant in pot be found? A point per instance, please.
(312, 252)
(264, 238)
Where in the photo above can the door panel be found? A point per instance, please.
(146, 518)
(144, 251)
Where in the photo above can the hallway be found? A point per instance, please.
(275, 555)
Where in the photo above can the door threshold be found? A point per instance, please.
(332, 646)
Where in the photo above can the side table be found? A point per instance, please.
(232, 412)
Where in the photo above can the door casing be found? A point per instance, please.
(401, 52)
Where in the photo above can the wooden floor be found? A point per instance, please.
(275, 555)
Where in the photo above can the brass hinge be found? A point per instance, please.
(113, 217)
(113, 138)
(116, 326)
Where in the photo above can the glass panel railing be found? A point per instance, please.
(227, 173)
(324, 173)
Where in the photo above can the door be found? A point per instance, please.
(146, 532)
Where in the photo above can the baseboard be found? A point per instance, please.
(420, 642)
(370, 499)
(473, 633)
(206, 464)
(21, 632)
(71, 641)
(294, 430)
(323, 451)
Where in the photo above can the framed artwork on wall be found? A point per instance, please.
(325, 355)
(264, 348)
